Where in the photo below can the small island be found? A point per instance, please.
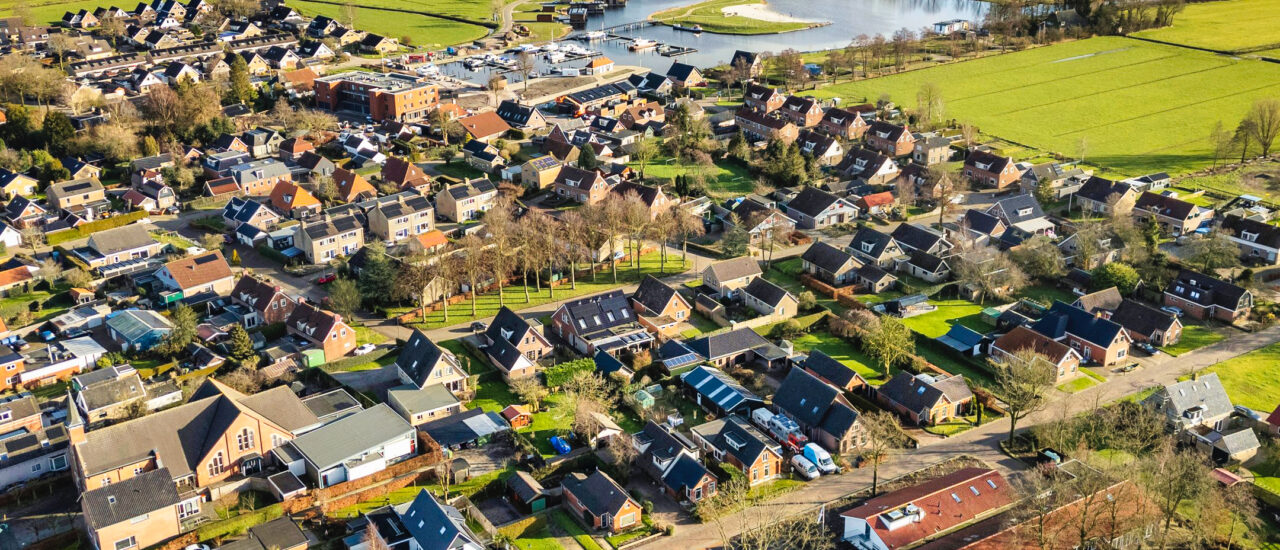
(732, 17)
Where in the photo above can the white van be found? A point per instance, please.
(820, 458)
(804, 468)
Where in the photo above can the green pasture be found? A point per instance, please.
(1233, 25)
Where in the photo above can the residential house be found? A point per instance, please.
(423, 363)
(909, 516)
(843, 123)
(1096, 339)
(1259, 241)
(513, 345)
(293, 201)
(932, 150)
(1098, 195)
(725, 278)
(328, 238)
(1101, 303)
(1150, 182)
(822, 147)
(926, 399)
(138, 329)
(925, 266)
(1205, 297)
(198, 274)
(637, 117)
(404, 216)
(583, 186)
(876, 204)
(239, 211)
(15, 184)
(814, 208)
(601, 322)
(831, 265)
(912, 237)
(592, 99)
(763, 99)
(804, 112)
(769, 299)
(86, 198)
(598, 66)
(671, 460)
(540, 172)
(867, 166)
(889, 139)
(22, 212)
(1147, 324)
(1062, 180)
(353, 187)
(109, 393)
(523, 117)
(989, 170)
(352, 447)
(685, 75)
(760, 216)
(278, 534)
(485, 126)
(422, 524)
(138, 512)
(323, 329)
(1064, 360)
(466, 201)
(735, 441)
(719, 393)
(117, 245)
(257, 178)
(403, 173)
(196, 455)
(1022, 212)
(33, 451)
(821, 410)
(659, 307)
(482, 156)
(600, 502)
(831, 372)
(757, 126)
(57, 362)
(1107, 248)
(873, 247)
(1199, 411)
(1175, 217)
(267, 302)
(655, 200)
(750, 63)
(151, 196)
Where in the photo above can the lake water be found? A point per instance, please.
(849, 18)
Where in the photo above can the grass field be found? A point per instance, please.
(1250, 379)
(949, 312)
(423, 30)
(710, 16)
(49, 11)
(725, 179)
(1233, 26)
(1140, 107)
(1194, 337)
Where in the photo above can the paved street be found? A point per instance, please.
(981, 442)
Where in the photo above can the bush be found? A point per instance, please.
(559, 374)
(807, 301)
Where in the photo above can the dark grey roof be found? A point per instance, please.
(727, 343)
(995, 163)
(597, 492)
(653, 294)
(920, 393)
(1017, 209)
(419, 358)
(766, 292)
(597, 314)
(515, 113)
(737, 437)
(926, 261)
(1142, 319)
(812, 201)
(471, 188)
(859, 162)
(278, 534)
(525, 487)
(1166, 206)
(1063, 318)
(1204, 392)
(748, 58)
(118, 502)
(735, 268)
(681, 71)
(1100, 189)
(435, 526)
(508, 326)
(913, 236)
(835, 372)
(464, 427)
(1205, 290)
(1107, 299)
(878, 241)
(1263, 234)
(804, 397)
(332, 404)
(348, 437)
(718, 388)
(120, 239)
(826, 257)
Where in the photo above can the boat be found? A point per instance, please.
(693, 29)
(554, 57)
(642, 44)
(551, 47)
(595, 35)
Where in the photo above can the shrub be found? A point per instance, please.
(787, 329)
(807, 301)
(558, 375)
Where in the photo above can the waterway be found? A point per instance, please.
(849, 19)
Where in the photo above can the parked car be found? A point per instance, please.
(820, 458)
(1147, 347)
(805, 468)
(326, 279)
(1129, 368)
(1176, 311)
(367, 348)
(1247, 412)
(479, 326)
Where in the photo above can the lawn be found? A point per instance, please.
(487, 304)
(786, 274)
(458, 169)
(726, 178)
(537, 539)
(949, 312)
(1250, 379)
(701, 325)
(423, 30)
(1078, 385)
(948, 362)
(1141, 107)
(47, 12)
(1267, 475)
(1047, 294)
(51, 304)
(574, 529)
(948, 429)
(1194, 337)
(555, 419)
(843, 351)
(173, 239)
(711, 18)
(1233, 26)
(366, 335)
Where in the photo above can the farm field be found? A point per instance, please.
(48, 11)
(423, 30)
(710, 16)
(725, 179)
(1234, 25)
(1140, 107)
(1250, 379)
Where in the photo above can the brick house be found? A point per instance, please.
(1064, 361)
(671, 460)
(814, 208)
(735, 441)
(988, 170)
(267, 301)
(513, 345)
(1147, 324)
(192, 275)
(1204, 297)
(830, 264)
(926, 399)
(259, 177)
(821, 410)
(758, 126)
(842, 123)
(804, 112)
(1258, 241)
(1176, 217)
(763, 99)
(659, 307)
(583, 186)
(727, 277)
(1098, 340)
(323, 328)
(600, 502)
(890, 139)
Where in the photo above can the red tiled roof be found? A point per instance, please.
(286, 196)
(1022, 338)
(352, 185)
(17, 275)
(432, 239)
(876, 199)
(943, 503)
(193, 271)
(484, 125)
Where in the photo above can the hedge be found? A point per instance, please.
(560, 374)
(84, 230)
(348, 362)
(272, 253)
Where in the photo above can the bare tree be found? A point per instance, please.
(501, 225)
(930, 109)
(882, 436)
(1173, 477)
(946, 189)
(531, 391)
(1039, 257)
(686, 225)
(471, 264)
(576, 239)
(1221, 143)
(1265, 118)
(989, 272)
(525, 64)
(1024, 379)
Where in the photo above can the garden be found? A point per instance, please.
(724, 179)
(423, 30)
(1250, 379)
(949, 312)
(1195, 335)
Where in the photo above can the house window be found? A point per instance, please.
(106, 480)
(126, 543)
(58, 463)
(627, 519)
(35, 467)
(276, 440)
(216, 466)
(244, 440)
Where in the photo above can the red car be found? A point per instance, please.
(327, 278)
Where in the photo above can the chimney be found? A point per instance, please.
(75, 423)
